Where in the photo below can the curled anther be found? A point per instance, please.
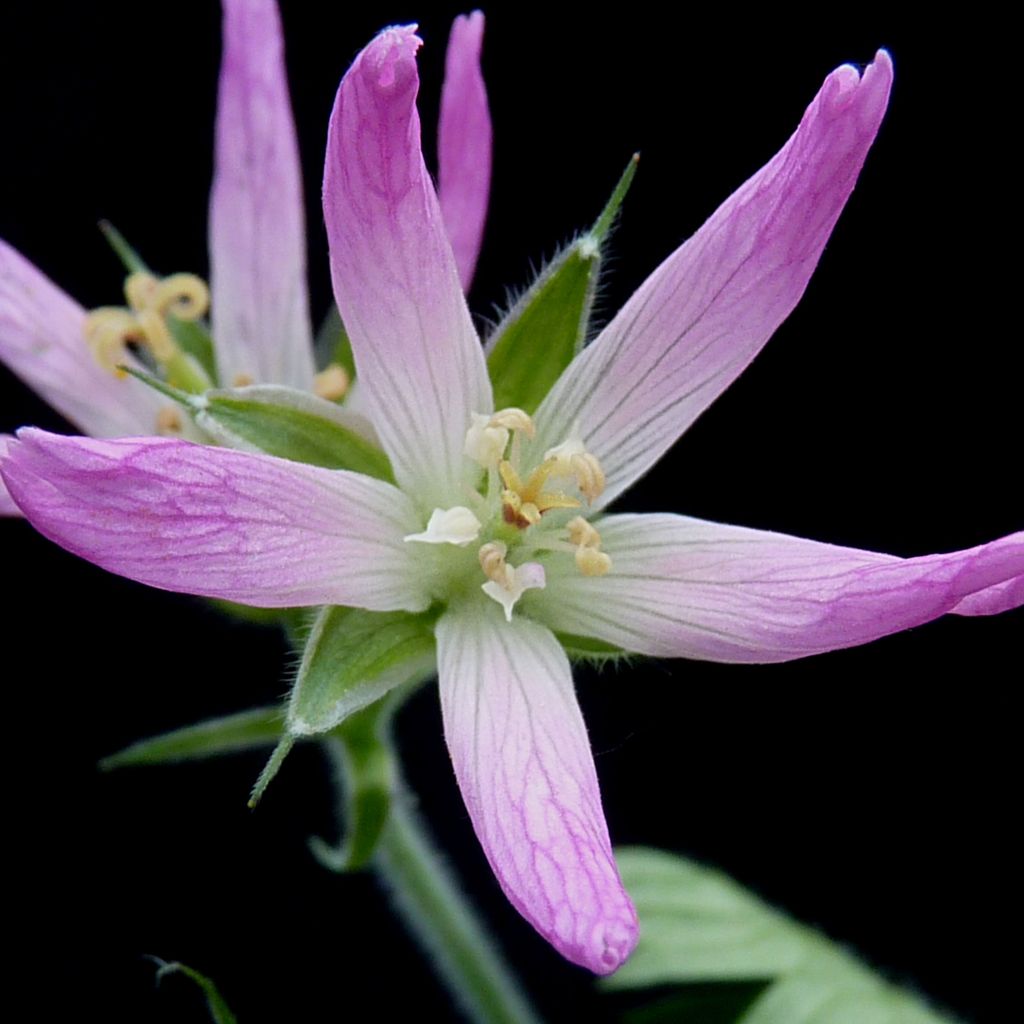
(140, 290)
(582, 533)
(592, 562)
(108, 332)
(169, 422)
(183, 295)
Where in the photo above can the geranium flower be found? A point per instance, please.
(497, 523)
(260, 304)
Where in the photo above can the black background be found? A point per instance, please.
(871, 792)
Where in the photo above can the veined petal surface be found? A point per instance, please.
(42, 340)
(686, 588)
(7, 506)
(1001, 598)
(703, 315)
(523, 763)
(249, 528)
(420, 364)
(260, 306)
(464, 145)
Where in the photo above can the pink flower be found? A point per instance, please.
(260, 304)
(498, 519)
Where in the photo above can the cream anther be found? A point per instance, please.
(515, 581)
(331, 382)
(562, 455)
(107, 333)
(242, 380)
(455, 525)
(184, 295)
(485, 443)
(514, 419)
(590, 559)
(589, 475)
(592, 562)
(492, 561)
(583, 533)
(140, 290)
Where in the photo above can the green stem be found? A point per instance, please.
(436, 911)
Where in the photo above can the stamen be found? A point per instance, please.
(184, 295)
(331, 382)
(590, 559)
(589, 476)
(514, 419)
(592, 562)
(455, 525)
(485, 442)
(108, 332)
(169, 422)
(242, 380)
(507, 583)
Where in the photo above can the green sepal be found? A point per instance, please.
(351, 659)
(246, 730)
(333, 345)
(132, 261)
(219, 1009)
(193, 338)
(698, 926)
(365, 770)
(588, 648)
(293, 425)
(548, 325)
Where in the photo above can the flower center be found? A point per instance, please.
(519, 517)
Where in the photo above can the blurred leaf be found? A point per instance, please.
(214, 1000)
(699, 926)
(246, 730)
(132, 261)
(548, 326)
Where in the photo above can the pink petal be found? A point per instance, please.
(260, 306)
(42, 341)
(216, 522)
(1001, 598)
(420, 363)
(704, 314)
(686, 588)
(464, 144)
(7, 506)
(523, 763)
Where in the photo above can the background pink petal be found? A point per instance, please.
(464, 144)
(216, 522)
(42, 341)
(686, 588)
(260, 306)
(7, 506)
(420, 363)
(523, 763)
(704, 314)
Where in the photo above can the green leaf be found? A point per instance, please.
(219, 1010)
(292, 424)
(719, 1003)
(246, 730)
(547, 327)
(588, 648)
(697, 926)
(333, 345)
(352, 658)
(365, 771)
